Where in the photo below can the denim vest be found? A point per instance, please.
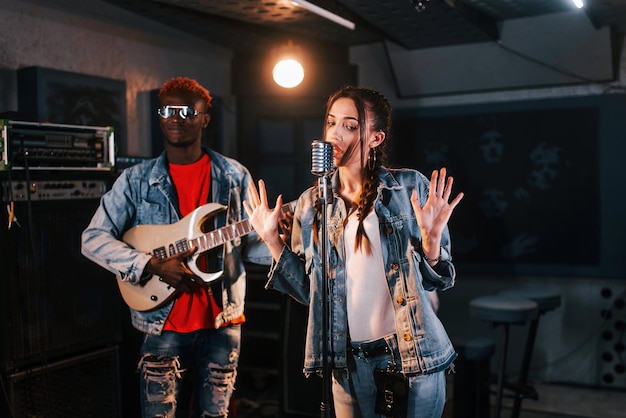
(144, 194)
(423, 342)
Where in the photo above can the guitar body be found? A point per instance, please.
(163, 241)
(154, 292)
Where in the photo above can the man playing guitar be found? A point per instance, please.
(192, 329)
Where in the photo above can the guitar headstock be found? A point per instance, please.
(286, 220)
(288, 208)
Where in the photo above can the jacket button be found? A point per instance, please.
(389, 229)
(407, 337)
(394, 266)
(400, 300)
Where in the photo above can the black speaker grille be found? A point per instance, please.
(83, 386)
(54, 301)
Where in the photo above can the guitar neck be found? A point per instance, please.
(227, 233)
(220, 236)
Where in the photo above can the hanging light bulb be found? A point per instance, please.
(288, 71)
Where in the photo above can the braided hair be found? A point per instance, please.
(372, 107)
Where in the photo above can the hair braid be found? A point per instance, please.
(318, 212)
(366, 202)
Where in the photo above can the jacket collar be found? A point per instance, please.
(386, 180)
(159, 173)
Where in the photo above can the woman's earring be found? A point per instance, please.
(371, 159)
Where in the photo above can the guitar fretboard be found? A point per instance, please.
(214, 238)
(222, 235)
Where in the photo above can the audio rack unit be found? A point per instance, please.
(36, 146)
(53, 189)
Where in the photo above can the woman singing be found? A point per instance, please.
(388, 246)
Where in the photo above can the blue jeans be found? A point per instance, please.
(354, 390)
(205, 359)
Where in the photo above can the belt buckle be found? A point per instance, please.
(359, 352)
(364, 353)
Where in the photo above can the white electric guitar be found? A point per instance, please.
(163, 241)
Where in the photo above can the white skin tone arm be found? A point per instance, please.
(432, 217)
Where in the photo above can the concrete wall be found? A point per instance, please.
(375, 70)
(96, 38)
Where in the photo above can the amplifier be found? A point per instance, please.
(34, 145)
(52, 184)
(61, 189)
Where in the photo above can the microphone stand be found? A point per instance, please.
(325, 197)
(322, 166)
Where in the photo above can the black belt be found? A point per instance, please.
(367, 350)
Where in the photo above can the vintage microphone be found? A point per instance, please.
(322, 165)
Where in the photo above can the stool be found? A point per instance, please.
(471, 377)
(503, 310)
(547, 300)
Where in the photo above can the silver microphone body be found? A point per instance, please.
(322, 160)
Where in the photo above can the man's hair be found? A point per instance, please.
(187, 84)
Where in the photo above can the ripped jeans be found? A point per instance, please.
(206, 359)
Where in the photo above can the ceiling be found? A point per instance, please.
(253, 24)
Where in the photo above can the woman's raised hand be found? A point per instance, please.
(263, 219)
(435, 214)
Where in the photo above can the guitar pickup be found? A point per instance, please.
(182, 245)
(159, 252)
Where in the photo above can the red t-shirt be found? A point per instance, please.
(195, 310)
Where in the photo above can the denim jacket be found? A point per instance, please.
(423, 342)
(144, 194)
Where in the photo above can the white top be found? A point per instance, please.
(370, 309)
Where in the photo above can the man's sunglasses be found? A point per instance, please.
(185, 112)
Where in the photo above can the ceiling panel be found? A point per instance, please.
(255, 24)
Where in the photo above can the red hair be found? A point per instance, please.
(186, 84)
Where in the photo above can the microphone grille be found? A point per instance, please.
(322, 161)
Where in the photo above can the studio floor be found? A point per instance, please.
(261, 397)
(565, 401)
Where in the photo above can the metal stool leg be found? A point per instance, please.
(523, 377)
(501, 374)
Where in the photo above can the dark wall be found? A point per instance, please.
(275, 126)
(541, 179)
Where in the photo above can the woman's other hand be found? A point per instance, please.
(435, 214)
(263, 219)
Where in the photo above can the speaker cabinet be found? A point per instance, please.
(86, 385)
(53, 301)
